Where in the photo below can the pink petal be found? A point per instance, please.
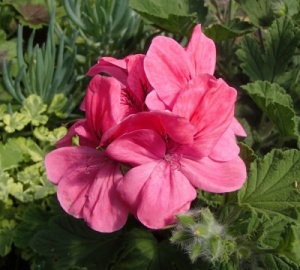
(202, 52)
(167, 68)
(86, 181)
(153, 102)
(226, 148)
(111, 66)
(237, 128)
(209, 105)
(156, 193)
(137, 80)
(67, 139)
(86, 136)
(214, 176)
(164, 123)
(137, 147)
(102, 104)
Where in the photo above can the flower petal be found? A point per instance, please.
(153, 102)
(86, 181)
(201, 51)
(102, 103)
(168, 68)
(209, 105)
(156, 193)
(137, 80)
(226, 148)
(111, 66)
(237, 128)
(163, 122)
(137, 147)
(214, 176)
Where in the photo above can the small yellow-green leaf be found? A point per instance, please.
(57, 134)
(10, 155)
(41, 133)
(14, 122)
(57, 104)
(33, 107)
(30, 148)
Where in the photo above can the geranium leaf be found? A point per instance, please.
(175, 16)
(290, 244)
(70, 242)
(57, 104)
(276, 104)
(274, 262)
(247, 154)
(33, 219)
(10, 155)
(30, 149)
(282, 39)
(259, 12)
(235, 28)
(6, 238)
(33, 107)
(16, 121)
(271, 187)
(142, 251)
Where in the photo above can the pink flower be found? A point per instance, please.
(166, 167)
(167, 119)
(155, 188)
(85, 176)
(130, 73)
(169, 67)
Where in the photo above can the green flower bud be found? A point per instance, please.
(202, 236)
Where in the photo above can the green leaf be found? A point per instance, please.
(33, 107)
(274, 262)
(6, 238)
(234, 29)
(282, 39)
(43, 134)
(270, 187)
(57, 104)
(30, 148)
(259, 12)
(290, 245)
(10, 155)
(142, 251)
(70, 242)
(177, 16)
(33, 220)
(247, 154)
(4, 180)
(276, 104)
(16, 189)
(14, 122)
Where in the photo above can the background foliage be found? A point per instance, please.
(46, 47)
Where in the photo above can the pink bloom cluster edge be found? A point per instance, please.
(157, 128)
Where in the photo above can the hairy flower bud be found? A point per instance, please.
(202, 236)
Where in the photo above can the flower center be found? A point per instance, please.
(173, 160)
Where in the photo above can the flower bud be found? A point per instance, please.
(202, 236)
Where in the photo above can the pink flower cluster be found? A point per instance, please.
(156, 129)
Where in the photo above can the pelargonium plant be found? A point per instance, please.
(157, 127)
